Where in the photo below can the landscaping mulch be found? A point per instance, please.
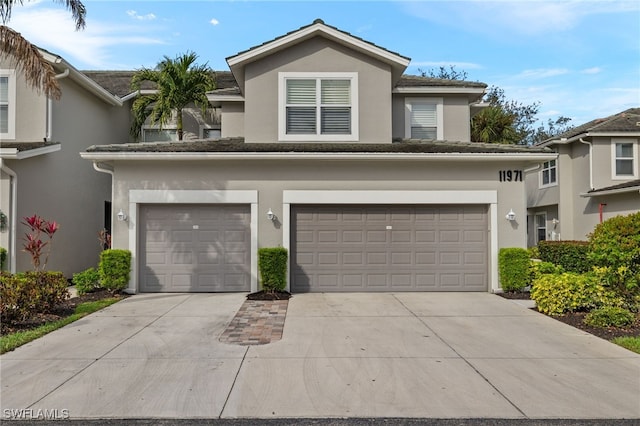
(576, 319)
(269, 295)
(63, 310)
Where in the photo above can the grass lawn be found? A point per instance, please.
(11, 341)
(631, 343)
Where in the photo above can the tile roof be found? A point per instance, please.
(630, 185)
(419, 81)
(119, 82)
(237, 145)
(625, 121)
(317, 21)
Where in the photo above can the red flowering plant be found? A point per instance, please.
(33, 243)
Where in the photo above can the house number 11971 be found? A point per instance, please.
(510, 175)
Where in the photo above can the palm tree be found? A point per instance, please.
(494, 125)
(179, 82)
(26, 57)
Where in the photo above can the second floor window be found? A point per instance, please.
(423, 119)
(624, 160)
(154, 134)
(549, 173)
(7, 104)
(318, 106)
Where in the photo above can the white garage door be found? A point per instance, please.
(389, 248)
(195, 248)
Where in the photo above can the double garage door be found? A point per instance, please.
(389, 248)
(195, 248)
(334, 248)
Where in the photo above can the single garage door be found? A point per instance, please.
(195, 248)
(389, 248)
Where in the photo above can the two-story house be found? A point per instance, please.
(596, 176)
(367, 176)
(41, 169)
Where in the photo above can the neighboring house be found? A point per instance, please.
(41, 169)
(367, 176)
(596, 176)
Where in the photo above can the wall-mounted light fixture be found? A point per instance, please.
(511, 216)
(271, 216)
(122, 216)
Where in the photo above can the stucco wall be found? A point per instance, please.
(317, 55)
(232, 119)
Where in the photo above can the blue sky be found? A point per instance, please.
(579, 59)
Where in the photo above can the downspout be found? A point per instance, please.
(96, 166)
(601, 210)
(590, 162)
(47, 137)
(13, 213)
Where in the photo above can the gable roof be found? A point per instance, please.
(623, 123)
(238, 61)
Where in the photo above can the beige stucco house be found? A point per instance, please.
(596, 176)
(366, 175)
(41, 169)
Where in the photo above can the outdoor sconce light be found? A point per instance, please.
(122, 216)
(511, 216)
(271, 216)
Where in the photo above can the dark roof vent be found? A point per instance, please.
(318, 21)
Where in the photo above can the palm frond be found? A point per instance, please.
(26, 57)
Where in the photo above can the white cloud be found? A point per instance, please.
(542, 73)
(147, 17)
(91, 46)
(214, 21)
(593, 70)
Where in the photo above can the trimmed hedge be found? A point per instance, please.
(114, 269)
(514, 267)
(86, 281)
(571, 255)
(26, 294)
(610, 316)
(272, 262)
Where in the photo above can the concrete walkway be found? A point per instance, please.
(351, 355)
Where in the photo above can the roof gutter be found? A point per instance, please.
(610, 192)
(590, 161)
(13, 213)
(369, 156)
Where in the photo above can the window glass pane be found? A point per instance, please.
(624, 167)
(423, 133)
(4, 89)
(552, 178)
(552, 163)
(335, 92)
(545, 177)
(423, 115)
(541, 221)
(335, 120)
(624, 150)
(542, 234)
(156, 135)
(301, 120)
(301, 91)
(211, 133)
(4, 119)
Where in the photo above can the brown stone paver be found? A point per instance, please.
(257, 322)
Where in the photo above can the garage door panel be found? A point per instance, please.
(195, 248)
(405, 248)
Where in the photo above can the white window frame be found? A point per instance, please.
(537, 228)
(11, 95)
(634, 159)
(555, 182)
(408, 108)
(204, 128)
(282, 113)
(157, 128)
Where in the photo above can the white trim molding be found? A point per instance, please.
(486, 197)
(634, 158)
(408, 109)
(153, 196)
(10, 74)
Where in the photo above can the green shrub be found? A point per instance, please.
(610, 316)
(114, 269)
(534, 253)
(86, 281)
(570, 292)
(537, 269)
(26, 294)
(615, 248)
(514, 264)
(272, 262)
(571, 255)
(3, 258)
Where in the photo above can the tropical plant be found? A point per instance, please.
(38, 73)
(179, 82)
(33, 243)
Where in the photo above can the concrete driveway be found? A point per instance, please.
(433, 355)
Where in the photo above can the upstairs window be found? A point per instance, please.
(7, 104)
(316, 107)
(423, 119)
(549, 173)
(154, 134)
(624, 159)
